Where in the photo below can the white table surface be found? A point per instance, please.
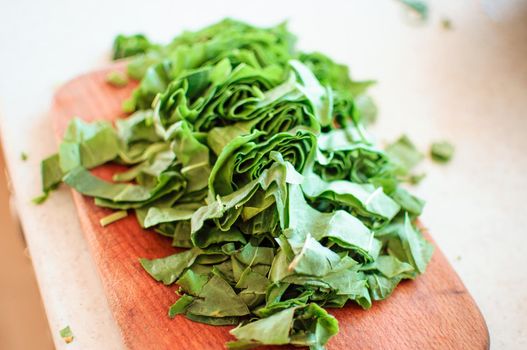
(467, 85)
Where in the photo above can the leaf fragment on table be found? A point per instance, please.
(308, 325)
(442, 151)
(67, 334)
(169, 269)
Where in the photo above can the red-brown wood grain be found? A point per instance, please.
(433, 312)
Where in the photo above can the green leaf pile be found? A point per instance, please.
(254, 157)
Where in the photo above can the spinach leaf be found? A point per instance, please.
(340, 227)
(87, 145)
(308, 325)
(364, 199)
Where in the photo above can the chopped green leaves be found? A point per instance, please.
(217, 299)
(308, 325)
(253, 157)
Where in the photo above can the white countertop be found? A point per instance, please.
(467, 85)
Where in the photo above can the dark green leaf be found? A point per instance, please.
(180, 306)
(218, 299)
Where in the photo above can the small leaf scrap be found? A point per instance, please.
(67, 334)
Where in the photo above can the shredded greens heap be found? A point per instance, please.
(254, 157)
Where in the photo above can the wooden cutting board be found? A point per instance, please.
(433, 312)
